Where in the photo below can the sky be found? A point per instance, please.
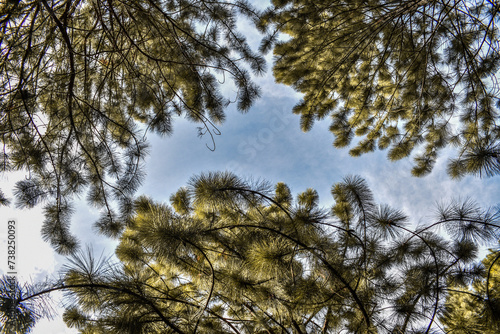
(266, 143)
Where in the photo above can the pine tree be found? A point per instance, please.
(408, 76)
(83, 81)
(474, 307)
(233, 256)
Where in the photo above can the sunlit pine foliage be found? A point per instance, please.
(238, 256)
(83, 81)
(409, 76)
(473, 306)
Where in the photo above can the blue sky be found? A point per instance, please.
(265, 143)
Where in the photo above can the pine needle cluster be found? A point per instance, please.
(237, 256)
(82, 82)
(408, 76)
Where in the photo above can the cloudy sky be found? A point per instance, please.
(265, 143)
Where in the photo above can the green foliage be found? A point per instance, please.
(474, 307)
(3, 200)
(20, 306)
(82, 82)
(407, 76)
(234, 256)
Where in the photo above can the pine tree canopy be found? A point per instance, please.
(233, 256)
(476, 309)
(82, 81)
(409, 76)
